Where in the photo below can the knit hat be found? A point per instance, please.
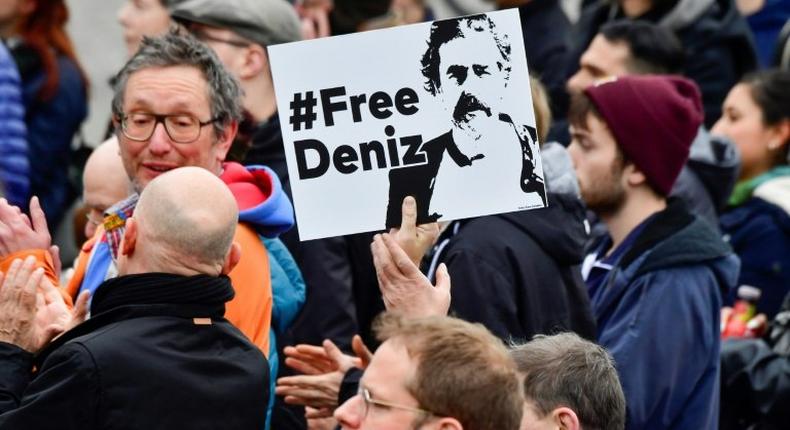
(265, 22)
(654, 120)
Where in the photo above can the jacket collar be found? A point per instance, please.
(150, 294)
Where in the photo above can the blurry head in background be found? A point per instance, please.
(628, 48)
(40, 25)
(104, 182)
(756, 116)
(144, 18)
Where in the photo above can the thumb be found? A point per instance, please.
(50, 333)
(335, 354)
(443, 279)
(80, 312)
(361, 350)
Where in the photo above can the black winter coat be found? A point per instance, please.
(157, 354)
(518, 273)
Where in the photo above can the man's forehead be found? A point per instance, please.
(389, 369)
(607, 56)
(169, 87)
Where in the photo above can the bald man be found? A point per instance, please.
(157, 351)
(104, 183)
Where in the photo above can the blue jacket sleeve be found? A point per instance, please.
(14, 164)
(664, 338)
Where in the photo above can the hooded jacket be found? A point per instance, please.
(264, 210)
(759, 232)
(518, 273)
(708, 177)
(155, 354)
(718, 44)
(658, 314)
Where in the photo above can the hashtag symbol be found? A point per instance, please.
(302, 111)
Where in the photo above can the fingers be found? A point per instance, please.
(443, 279)
(80, 312)
(50, 333)
(313, 413)
(408, 222)
(361, 350)
(302, 366)
(404, 264)
(38, 218)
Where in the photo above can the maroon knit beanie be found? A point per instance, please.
(654, 120)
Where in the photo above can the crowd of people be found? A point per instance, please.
(664, 128)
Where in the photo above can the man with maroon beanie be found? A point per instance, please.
(656, 280)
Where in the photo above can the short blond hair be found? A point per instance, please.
(463, 371)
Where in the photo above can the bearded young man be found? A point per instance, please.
(656, 280)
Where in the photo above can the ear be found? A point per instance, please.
(232, 259)
(447, 423)
(256, 62)
(632, 175)
(780, 133)
(129, 240)
(565, 418)
(222, 146)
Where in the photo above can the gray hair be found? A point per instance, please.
(178, 48)
(566, 370)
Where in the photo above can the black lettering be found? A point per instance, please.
(373, 146)
(305, 172)
(405, 99)
(356, 102)
(344, 158)
(380, 102)
(330, 108)
(413, 154)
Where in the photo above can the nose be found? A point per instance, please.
(719, 128)
(576, 83)
(159, 143)
(349, 415)
(123, 13)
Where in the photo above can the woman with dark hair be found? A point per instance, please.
(756, 116)
(54, 90)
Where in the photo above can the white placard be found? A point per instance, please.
(441, 111)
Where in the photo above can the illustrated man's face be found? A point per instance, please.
(471, 85)
(177, 90)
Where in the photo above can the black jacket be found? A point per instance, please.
(718, 44)
(147, 359)
(518, 274)
(755, 378)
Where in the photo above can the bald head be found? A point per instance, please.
(186, 219)
(104, 182)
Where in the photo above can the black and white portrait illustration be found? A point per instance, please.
(441, 111)
(470, 88)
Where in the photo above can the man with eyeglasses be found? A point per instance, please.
(175, 105)
(435, 373)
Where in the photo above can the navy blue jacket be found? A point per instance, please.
(759, 232)
(658, 314)
(51, 127)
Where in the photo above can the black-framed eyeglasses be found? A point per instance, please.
(182, 128)
(368, 400)
(205, 37)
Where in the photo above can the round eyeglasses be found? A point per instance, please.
(368, 400)
(140, 126)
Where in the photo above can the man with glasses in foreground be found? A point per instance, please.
(175, 105)
(435, 373)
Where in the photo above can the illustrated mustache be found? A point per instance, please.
(467, 104)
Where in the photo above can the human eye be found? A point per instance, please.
(140, 119)
(480, 70)
(457, 73)
(182, 121)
